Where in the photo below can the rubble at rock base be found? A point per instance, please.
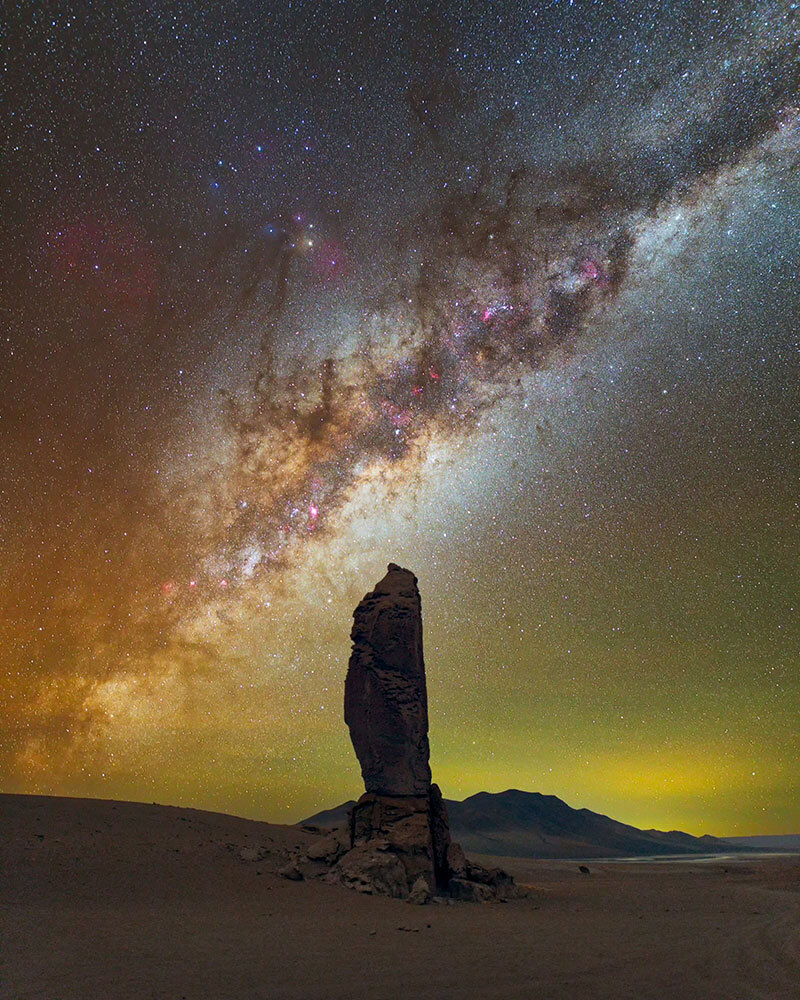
(400, 846)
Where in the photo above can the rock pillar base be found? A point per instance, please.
(412, 828)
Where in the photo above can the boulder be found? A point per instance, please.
(291, 872)
(329, 848)
(456, 861)
(372, 869)
(469, 892)
(500, 884)
(420, 892)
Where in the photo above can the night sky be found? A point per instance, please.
(506, 293)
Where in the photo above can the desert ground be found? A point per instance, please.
(110, 900)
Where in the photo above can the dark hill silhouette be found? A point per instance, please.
(337, 816)
(530, 825)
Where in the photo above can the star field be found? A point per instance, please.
(507, 294)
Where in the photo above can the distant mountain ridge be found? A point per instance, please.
(776, 842)
(531, 825)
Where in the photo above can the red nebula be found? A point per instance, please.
(399, 416)
(330, 260)
(113, 264)
(590, 270)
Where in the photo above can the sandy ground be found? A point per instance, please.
(102, 900)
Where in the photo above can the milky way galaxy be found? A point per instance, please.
(507, 294)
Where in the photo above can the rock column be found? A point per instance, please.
(399, 835)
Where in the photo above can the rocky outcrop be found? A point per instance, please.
(411, 827)
(399, 836)
(385, 696)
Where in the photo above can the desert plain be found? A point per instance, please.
(104, 900)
